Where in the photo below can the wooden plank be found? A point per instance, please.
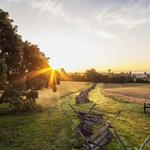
(85, 133)
(98, 133)
(145, 142)
(115, 134)
(146, 105)
(79, 131)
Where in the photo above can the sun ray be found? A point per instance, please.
(51, 82)
(54, 76)
(36, 73)
(63, 75)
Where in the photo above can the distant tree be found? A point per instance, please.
(63, 70)
(92, 75)
(109, 71)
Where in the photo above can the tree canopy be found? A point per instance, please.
(18, 59)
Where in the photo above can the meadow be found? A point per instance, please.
(50, 129)
(135, 93)
(133, 125)
(54, 127)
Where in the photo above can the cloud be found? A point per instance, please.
(98, 20)
(54, 7)
(88, 27)
(14, 0)
(104, 34)
(128, 16)
(57, 8)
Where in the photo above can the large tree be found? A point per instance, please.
(11, 51)
(21, 63)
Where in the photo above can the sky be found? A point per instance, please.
(82, 34)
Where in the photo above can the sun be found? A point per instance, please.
(55, 75)
(55, 66)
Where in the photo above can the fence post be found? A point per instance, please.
(144, 107)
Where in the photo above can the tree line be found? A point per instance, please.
(92, 75)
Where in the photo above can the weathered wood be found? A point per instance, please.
(89, 114)
(93, 128)
(73, 109)
(96, 141)
(100, 142)
(91, 108)
(115, 134)
(91, 122)
(118, 113)
(145, 142)
(98, 133)
(146, 105)
(95, 138)
(84, 132)
(92, 117)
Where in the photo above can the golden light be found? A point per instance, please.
(63, 75)
(54, 76)
(36, 73)
(52, 79)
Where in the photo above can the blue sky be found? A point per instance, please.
(80, 34)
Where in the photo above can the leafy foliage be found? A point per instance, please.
(17, 59)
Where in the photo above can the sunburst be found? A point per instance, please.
(54, 76)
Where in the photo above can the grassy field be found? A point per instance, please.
(53, 128)
(48, 98)
(133, 124)
(135, 93)
(47, 130)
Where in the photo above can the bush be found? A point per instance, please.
(6, 108)
(19, 96)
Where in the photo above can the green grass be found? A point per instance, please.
(40, 131)
(133, 124)
(53, 129)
